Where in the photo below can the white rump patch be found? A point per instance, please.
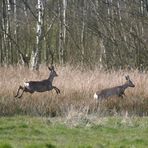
(95, 96)
(26, 84)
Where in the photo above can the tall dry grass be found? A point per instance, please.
(77, 89)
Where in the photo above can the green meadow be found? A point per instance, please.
(38, 132)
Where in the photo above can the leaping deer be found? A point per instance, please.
(114, 91)
(39, 86)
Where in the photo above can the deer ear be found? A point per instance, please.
(127, 77)
(51, 68)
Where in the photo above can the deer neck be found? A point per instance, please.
(125, 86)
(51, 77)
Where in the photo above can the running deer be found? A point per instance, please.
(39, 86)
(114, 91)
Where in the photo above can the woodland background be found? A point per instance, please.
(93, 44)
(103, 33)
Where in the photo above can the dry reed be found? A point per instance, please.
(77, 89)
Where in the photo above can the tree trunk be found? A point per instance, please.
(82, 33)
(62, 30)
(6, 31)
(36, 53)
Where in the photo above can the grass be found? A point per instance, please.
(37, 132)
(117, 123)
(77, 89)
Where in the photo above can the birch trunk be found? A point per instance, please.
(35, 57)
(62, 30)
(82, 34)
(15, 17)
(6, 29)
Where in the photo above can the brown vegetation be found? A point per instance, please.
(77, 89)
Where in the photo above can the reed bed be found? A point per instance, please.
(77, 89)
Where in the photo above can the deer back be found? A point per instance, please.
(105, 93)
(39, 86)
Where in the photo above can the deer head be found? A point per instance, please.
(129, 82)
(53, 72)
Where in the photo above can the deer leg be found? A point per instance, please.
(25, 90)
(56, 89)
(22, 93)
(20, 87)
(124, 94)
(121, 95)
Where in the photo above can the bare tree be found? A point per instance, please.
(106, 33)
(35, 57)
(62, 29)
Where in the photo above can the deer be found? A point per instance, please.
(118, 91)
(39, 86)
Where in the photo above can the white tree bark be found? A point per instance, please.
(102, 53)
(15, 17)
(62, 30)
(35, 57)
(6, 28)
(82, 33)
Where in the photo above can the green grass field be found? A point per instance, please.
(37, 132)
(74, 121)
